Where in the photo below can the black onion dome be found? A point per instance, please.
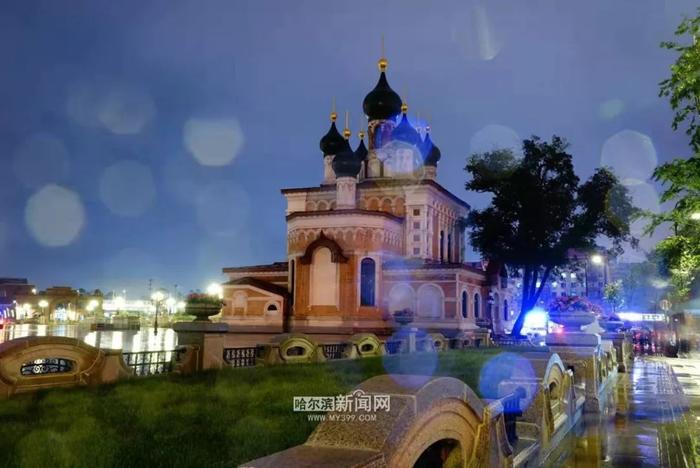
(405, 132)
(431, 153)
(382, 102)
(332, 142)
(361, 151)
(346, 164)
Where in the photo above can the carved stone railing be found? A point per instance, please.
(35, 363)
(241, 357)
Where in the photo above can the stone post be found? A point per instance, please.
(208, 337)
(582, 352)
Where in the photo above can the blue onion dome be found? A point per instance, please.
(382, 103)
(361, 151)
(431, 153)
(332, 142)
(404, 131)
(346, 163)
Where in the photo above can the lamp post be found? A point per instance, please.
(43, 304)
(157, 298)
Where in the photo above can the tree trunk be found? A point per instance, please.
(531, 293)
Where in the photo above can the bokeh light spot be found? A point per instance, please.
(54, 216)
(41, 159)
(410, 370)
(126, 110)
(213, 142)
(630, 154)
(644, 195)
(611, 108)
(127, 188)
(504, 366)
(493, 137)
(123, 109)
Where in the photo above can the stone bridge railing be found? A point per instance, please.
(438, 420)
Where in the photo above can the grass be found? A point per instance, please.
(218, 418)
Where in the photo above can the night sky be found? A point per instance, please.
(150, 139)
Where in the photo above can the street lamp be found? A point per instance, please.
(157, 298)
(215, 289)
(597, 259)
(43, 304)
(695, 216)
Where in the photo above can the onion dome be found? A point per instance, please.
(431, 153)
(332, 142)
(382, 103)
(346, 163)
(404, 131)
(361, 151)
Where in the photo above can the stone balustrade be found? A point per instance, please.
(437, 418)
(35, 363)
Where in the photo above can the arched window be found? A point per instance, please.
(324, 283)
(506, 312)
(477, 305)
(449, 248)
(367, 279)
(465, 313)
(442, 246)
(271, 309)
(430, 301)
(401, 297)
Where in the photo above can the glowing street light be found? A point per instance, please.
(157, 298)
(215, 289)
(695, 216)
(597, 259)
(92, 305)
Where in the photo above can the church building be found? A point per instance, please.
(379, 235)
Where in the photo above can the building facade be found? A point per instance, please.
(377, 236)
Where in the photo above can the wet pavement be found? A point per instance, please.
(652, 419)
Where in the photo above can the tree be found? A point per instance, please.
(680, 253)
(683, 86)
(614, 295)
(540, 210)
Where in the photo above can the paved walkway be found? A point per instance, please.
(653, 419)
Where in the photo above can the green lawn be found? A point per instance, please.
(220, 418)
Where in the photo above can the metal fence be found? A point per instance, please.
(241, 357)
(145, 363)
(333, 351)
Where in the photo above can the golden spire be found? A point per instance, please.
(404, 105)
(383, 62)
(334, 115)
(346, 131)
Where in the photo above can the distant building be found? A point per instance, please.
(10, 290)
(586, 274)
